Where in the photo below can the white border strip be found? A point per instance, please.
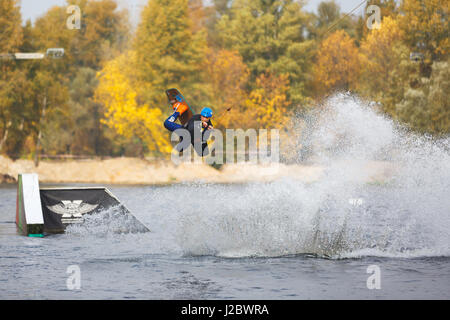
(32, 199)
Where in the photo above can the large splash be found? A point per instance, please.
(344, 214)
(107, 222)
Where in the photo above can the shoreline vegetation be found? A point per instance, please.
(137, 171)
(99, 89)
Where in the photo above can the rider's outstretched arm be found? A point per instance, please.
(170, 124)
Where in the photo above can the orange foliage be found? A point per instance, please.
(337, 63)
(268, 103)
(227, 76)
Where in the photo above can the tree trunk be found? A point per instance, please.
(39, 137)
(5, 135)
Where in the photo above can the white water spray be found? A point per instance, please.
(406, 214)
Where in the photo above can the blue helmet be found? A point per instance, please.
(206, 112)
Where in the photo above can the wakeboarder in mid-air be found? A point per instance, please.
(198, 126)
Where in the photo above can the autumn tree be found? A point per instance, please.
(265, 106)
(329, 18)
(168, 53)
(165, 53)
(103, 35)
(51, 114)
(15, 112)
(86, 129)
(123, 112)
(50, 31)
(268, 102)
(14, 86)
(439, 98)
(382, 52)
(426, 27)
(50, 78)
(10, 23)
(73, 124)
(216, 11)
(337, 64)
(426, 108)
(328, 13)
(270, 35)
(387, 8)
(228, 76)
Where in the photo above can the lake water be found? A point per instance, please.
(214, 249)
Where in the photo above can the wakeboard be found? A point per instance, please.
(175, 97)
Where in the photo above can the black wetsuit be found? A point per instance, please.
(196, 131)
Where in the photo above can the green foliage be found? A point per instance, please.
(168, 53)
(103, 34)
(439, 98)
(85, 113)
(270, 36)
(330, 19)
(427, 108)
(16, 116)
(14, 85)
